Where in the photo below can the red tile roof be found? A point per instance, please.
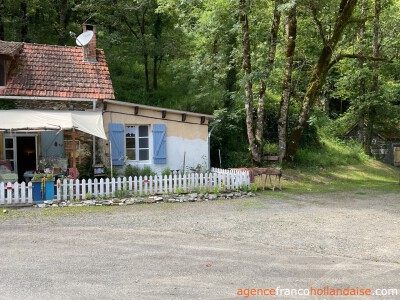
(58, 71)
(10, 48)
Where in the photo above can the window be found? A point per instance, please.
(137, 142)
(2, 72)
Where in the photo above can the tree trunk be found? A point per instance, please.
(254, 148)
(155, 72)
(375, 76)
(24, 20)
(361, 113)
(158, 26)
(291, 32)
(63, 21)
(2, 31)
(267, 72)
(318, 77)
(146, 71)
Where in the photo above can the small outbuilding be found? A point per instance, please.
(385, 144)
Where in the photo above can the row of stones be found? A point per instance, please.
(194, 197)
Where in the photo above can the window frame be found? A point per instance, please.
(137, 139)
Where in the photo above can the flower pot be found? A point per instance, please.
(42, 190)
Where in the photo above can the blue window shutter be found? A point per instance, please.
(116, 134)
(160, 144)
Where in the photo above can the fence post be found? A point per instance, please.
(151, 185)
(145, 181)
(113, 194)
(30, 196)
(2, 200)
(101, 190)
(107, 187)
(135, 185)
(23, 192)
(95, 188)
(90, 188)
(83, 189)
(16, 192)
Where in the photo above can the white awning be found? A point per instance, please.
(38, 120)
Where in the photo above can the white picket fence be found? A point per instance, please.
(68, 189)
(16, 193)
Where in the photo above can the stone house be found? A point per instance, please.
(47, 78)
(51, 78)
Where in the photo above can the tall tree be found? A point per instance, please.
(375, 76)
(255, 134)
(291, 33)
(319, 73)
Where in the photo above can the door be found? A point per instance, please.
(26, 155)
(396, 154)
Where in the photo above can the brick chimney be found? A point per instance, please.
(89, 51)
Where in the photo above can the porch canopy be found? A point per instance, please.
(38, 120)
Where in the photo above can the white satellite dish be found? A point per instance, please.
(84, 38)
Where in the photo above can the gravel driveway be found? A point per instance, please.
(205, 250)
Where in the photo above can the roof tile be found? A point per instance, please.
(40, 69)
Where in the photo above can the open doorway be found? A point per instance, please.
(26, 155)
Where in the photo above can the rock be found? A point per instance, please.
(106, 202)
(230, 196)
(237, 195)
(201, 196)
(139, 200)
(158, 199)
(41, 205)
(212, 197)
(129, 201)
(193, 196)
(89, 202)
(5, 211)
(250, 194)
(54, 205)
(48, 202)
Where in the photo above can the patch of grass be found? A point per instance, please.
(333, 152)
(371, 174)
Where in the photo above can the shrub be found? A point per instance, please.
(137, 171)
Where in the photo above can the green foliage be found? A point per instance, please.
(137, 171)
(270, 148)
(333, 152)
(166, 172)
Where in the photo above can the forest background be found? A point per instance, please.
(287, 78)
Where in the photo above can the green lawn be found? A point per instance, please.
(367, 175)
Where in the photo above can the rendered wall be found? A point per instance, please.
(187, 141)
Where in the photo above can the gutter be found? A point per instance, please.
(46, 98)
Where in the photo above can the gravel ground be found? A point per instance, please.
(205, 250)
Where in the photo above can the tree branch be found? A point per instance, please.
(319, 24)
(130, 27)
(359, 56)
